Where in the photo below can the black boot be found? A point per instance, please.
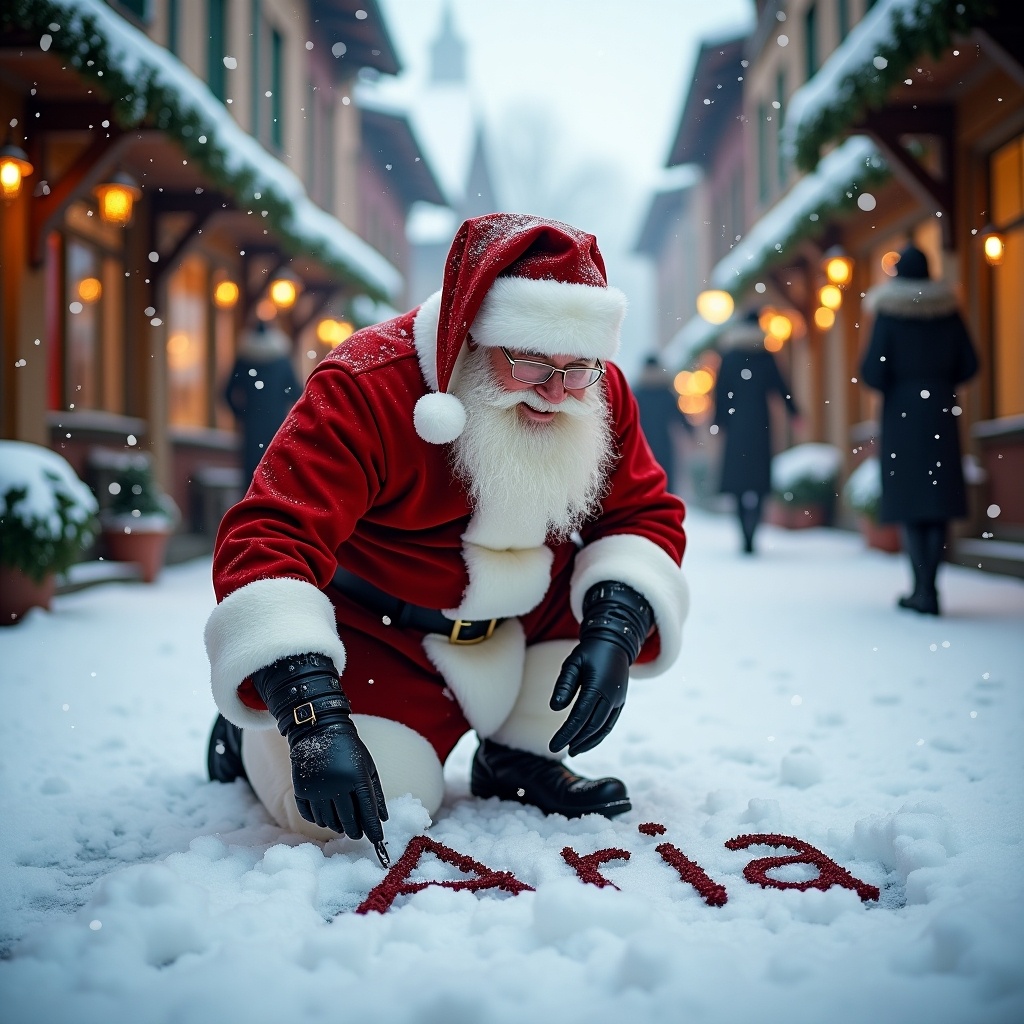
(925, 543)
(528, 779)
(224, 753)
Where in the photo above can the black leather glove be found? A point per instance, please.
(616, 621)
(334, 778)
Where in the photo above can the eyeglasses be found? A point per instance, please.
(574, 378)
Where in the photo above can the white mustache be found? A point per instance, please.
(498, 397)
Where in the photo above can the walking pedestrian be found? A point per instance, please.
(919, 352)
(660, 417)
(747, 377)
(261, 390)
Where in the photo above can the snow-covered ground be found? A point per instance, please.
(805, 705)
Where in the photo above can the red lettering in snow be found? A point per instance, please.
(713, 894)
(829, 872)
(586, 867)
(395, 882)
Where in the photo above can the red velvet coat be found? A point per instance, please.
(347, 481)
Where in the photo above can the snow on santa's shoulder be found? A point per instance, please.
(134, 889)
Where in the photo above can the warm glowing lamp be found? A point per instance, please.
(284, 289)
(14, 166)
(838, 267)
(266, 310)
(715, 306)
(225, 295)
(993, 246)
(780, 328)
(90, 289)
(830, 297)
(116, 199)
(333, 332)
(824, 317)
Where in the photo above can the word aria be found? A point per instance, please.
(396, 882)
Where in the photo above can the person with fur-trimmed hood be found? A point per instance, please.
(459, 527)
(747, 377)
(919, 352)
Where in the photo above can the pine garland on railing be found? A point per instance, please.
(929, 27)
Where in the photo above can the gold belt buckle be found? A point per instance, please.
(310, 719)
(453, 637)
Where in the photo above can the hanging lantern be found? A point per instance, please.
(117, 198)
(830, 297)
(14, 166)
(225, 295)
(90, 289)
(838, 266)
(333, 332)
(824, 318)
(715, 306)
(993, 246)
(284, 289)
(889, 261)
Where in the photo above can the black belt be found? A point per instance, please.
(411, 616)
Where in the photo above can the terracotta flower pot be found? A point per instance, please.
(146, 548)
(881, 536)
(796, 516)
(19, 592)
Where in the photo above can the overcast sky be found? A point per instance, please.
(611, 74)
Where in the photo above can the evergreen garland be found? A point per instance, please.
(930, 27)
(145, 102)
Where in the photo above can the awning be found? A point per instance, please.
(149, 86)
(838, 184)
(863, 69)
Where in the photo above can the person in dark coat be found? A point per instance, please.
(261, 390)
(660, 417)
(919, 352)
(748, 375)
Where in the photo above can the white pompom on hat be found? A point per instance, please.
(520, 282)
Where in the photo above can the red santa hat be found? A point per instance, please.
(520, 282)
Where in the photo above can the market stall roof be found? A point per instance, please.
(694, 337)
(838, 185)
(862, 71)
(151, 88)
(389, 139)
(360, 26)
(716, 89)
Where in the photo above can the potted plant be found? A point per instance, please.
(139, 518)
(863, 494)
(47, 517)
(804, 482)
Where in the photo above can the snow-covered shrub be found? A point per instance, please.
(136, 500)
(47, 514)
(806, 474)
(863, 491)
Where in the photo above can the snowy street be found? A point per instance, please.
(804, 705)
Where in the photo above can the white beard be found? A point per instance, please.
(528, 481)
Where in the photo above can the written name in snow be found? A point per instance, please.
(587, 867)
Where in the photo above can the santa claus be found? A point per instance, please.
(460, 526)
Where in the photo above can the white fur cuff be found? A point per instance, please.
(258, 624)
(647, 568)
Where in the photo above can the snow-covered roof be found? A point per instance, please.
(430, 225)
(861, 70)
(840, 178)
(147, 79)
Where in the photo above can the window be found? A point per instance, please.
(173, 27)
(276, 86)
(843, 14)
(811, 40)
(256, 22)
(84, 310)
(782, 169)
(216, 25)
(1006, 189)
(763, 187)
(187, 375)
(139, 9)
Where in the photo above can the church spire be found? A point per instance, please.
(447, 53)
